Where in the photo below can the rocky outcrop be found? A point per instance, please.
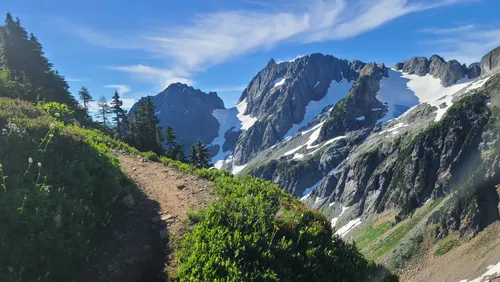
(449, 72)
(359, 102)
(490, 62)
(189, 112)
(278, 95)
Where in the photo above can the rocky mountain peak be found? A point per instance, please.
(490, 62)
(449, 72)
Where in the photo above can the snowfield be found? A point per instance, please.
(401, 92)
(227, 120)
(246, 121)
(348, 227)
(335, 93)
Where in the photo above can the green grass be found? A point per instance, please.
(62, 191)
(447, 244)
(370, 233)
(400, 231)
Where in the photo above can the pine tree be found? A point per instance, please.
(145, 134)
(119, 114)
(104, 110)
(85, 97)
(173, 149)
(203, 155)
(193, 156)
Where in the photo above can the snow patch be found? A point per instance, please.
(336, 91)
(376, 109)
(429, 90)
(348, 227)
(279, 81)
(308, 191)
(316, 85)
(238, 168)
(335, 219)
(331, 204)
(492, 270)
(360, 118)
(246, 121)
(400, 92)
(227, 119)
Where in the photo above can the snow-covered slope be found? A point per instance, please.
(228, 120)
(336, 91)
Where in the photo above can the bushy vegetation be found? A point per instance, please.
(447, 244)
(61, 189)
(256, 232)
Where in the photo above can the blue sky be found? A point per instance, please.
(139, 47)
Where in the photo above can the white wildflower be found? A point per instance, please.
(47, 190)
(57, 114)
(51, 135)
(30, 160)
(52, 125)
(0, 165)
(39, 164)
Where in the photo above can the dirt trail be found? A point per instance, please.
(156, 216)
(174, 191)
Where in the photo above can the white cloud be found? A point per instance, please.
(466, 44)
(121, 88)
(74, 79)
(215, 38)
(161, 77)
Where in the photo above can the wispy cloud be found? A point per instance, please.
(467, 43)
(74, 79)
(215, 38)
(161, 77)
(121, 88)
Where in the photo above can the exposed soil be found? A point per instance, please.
(465, 262)
(137, 248)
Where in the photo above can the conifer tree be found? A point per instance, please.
(193, 156)
(203, 155)
(173, 150)
(85, 97)
(145, 134)
(119, 114)
(104, 110)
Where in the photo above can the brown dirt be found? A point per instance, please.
(467, 261)
(136, 247)
(174, 191)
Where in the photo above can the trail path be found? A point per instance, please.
(156, 217)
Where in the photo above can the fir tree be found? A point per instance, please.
(203, 155)
(173, 150)
(119, 114)
(85, 97)
(104, 110)
(145, 134)
(193, 156)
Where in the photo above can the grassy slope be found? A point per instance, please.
(253, 231)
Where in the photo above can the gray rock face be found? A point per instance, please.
(416, 65)
(360, 101)
(278, 107)
(189, 112)
(449, 72)
(490, 62)
(474, 70)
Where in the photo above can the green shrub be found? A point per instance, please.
(447, 244)
(256, 232)
(58, 111)
(152, 156)
(52, 214)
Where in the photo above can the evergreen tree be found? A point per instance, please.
(85, 97)
(145, 134)
(174, 150)
(104, 110)
(30, 73)
(119, 114)
(203, 155)
(193, 156)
